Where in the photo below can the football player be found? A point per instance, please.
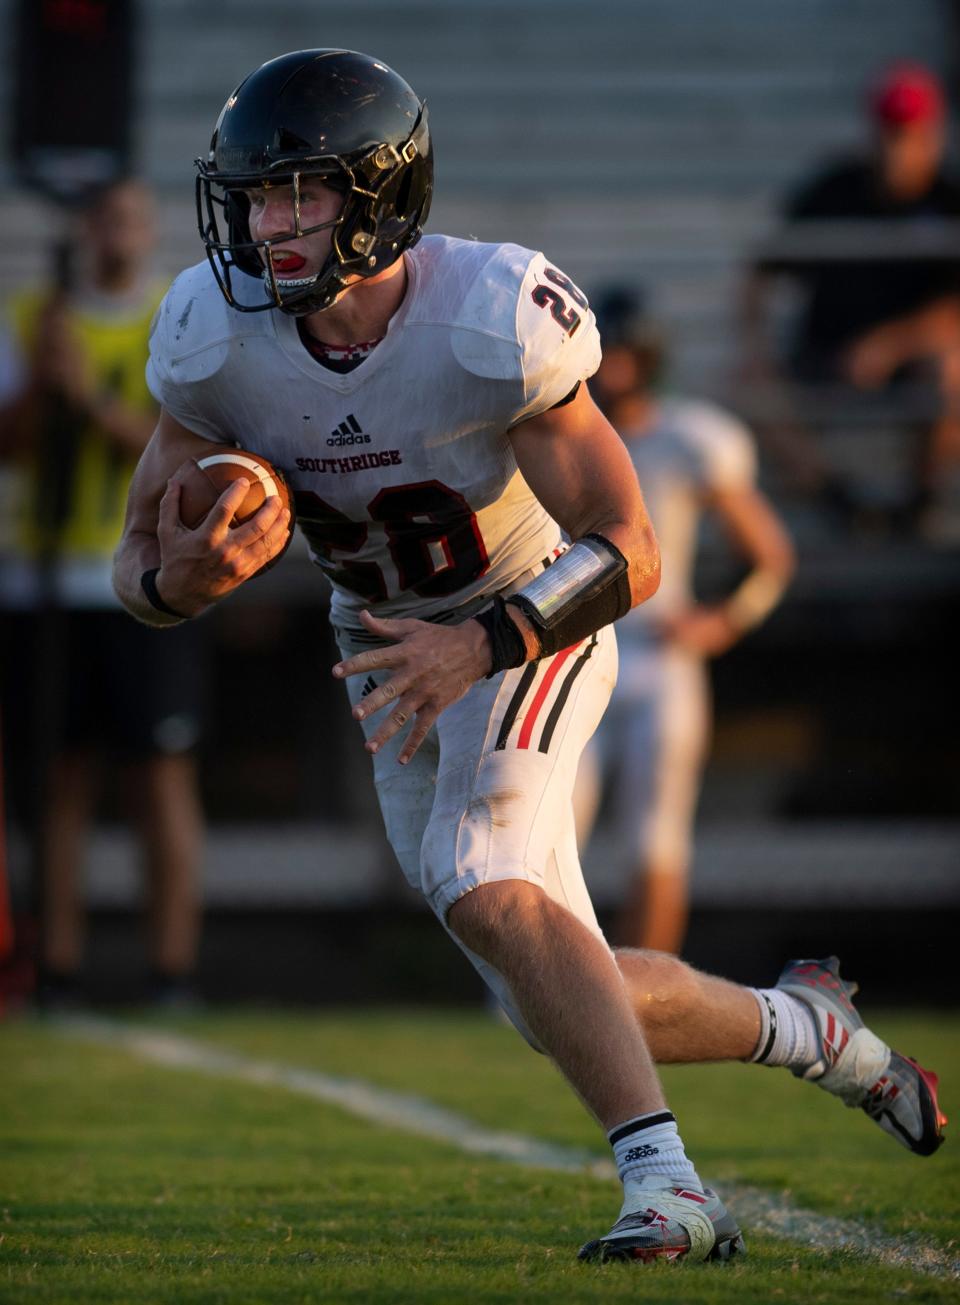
(694, 461)
(426, 399)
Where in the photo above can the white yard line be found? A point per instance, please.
(761, 1210)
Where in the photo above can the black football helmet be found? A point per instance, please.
(336, 114)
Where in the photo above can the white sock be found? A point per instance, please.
(650, 1144)
(789, 1032)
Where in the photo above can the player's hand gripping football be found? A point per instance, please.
(200, 566)
(432, 666)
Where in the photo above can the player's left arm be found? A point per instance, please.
(577, 466)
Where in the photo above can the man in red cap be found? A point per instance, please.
(907, 94)
(879, 273)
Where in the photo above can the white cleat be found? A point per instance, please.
(860, 1069)
(661, 1220)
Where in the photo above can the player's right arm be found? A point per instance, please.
(193, 568)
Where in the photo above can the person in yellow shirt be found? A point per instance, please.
(74, 419)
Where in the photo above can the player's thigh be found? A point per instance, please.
(515, 803)
(588, 789)
(508, 760)
(666, 734)
(404, 793)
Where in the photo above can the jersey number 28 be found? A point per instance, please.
(433, 537)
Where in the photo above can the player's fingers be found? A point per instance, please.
(421, 728)
(264, 549)
(265, 516)
(275, 539)
(387, 627)
(374, 660)
(217, 521)
(403, 712)
(168, 518)
(383, 696)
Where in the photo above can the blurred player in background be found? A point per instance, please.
(76, 416)
(691, 458)
(874, 322)
(426, 400)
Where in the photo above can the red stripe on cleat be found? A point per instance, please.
(648, 1254)
(932, 1081)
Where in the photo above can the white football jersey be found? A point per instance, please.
(405, 481)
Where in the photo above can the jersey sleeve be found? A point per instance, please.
(186, 353)
(557, 335)
(724, 452)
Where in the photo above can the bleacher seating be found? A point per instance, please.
(635, 141)
(632, 139)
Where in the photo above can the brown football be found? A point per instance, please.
(206, 478)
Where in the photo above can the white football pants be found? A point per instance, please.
(489, 794)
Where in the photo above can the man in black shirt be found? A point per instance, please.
(874, 246)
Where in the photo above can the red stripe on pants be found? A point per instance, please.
(531, 716)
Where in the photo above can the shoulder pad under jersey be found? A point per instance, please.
(193, 329)
(522, 319)
(190, 343)
(484, 330)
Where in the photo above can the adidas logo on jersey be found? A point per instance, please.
(348, 432)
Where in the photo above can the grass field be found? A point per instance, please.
(121, 1181)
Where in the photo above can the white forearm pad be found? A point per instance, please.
(585, 589)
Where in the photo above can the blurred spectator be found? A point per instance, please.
(79, 677)
(691, 458)
(870, 245)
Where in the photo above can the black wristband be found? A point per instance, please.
(148, 583)
(507, 648)
(585, 589)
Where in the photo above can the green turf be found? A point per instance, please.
(123, 1182)
(762, 1126)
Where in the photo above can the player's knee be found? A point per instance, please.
(492, 915)
(661, 986)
